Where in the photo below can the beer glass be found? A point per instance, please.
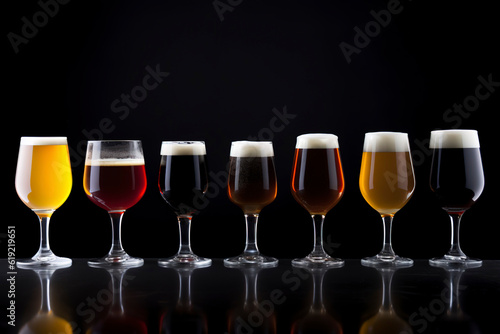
(115, 180)
(251, 186)
(317, 184)
(457, 180)
(43, 183)
(386, 182)
(183, 181)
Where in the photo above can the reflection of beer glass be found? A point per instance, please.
(317, 184)
(386, 321)
(386, 182)
(43, 183)
(45, 321)
(251, 185)
(115, 180)
(457, 180)
(183, 181)
(317, 319)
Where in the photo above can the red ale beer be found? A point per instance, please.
(115, 184)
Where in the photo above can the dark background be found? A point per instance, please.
(225, 78)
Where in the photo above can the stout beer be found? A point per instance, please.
(183, 176)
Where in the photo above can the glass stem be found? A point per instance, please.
(387, 251)
(386, 304)
(455, 250)
(44, 251)
(318, 250)
(251, 241)
(44, 277)
(116, 229)
(184, 235)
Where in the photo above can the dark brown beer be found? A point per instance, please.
(183, 181)
(317, 179)
(252, 182)
(457, 177)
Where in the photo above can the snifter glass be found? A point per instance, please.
(43, 183)
(252, 185)
(317, 184)
(183, 181)
(387, 182)
(457, 180)
(115, 180)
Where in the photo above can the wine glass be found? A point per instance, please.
(317, 184)
(252, 186)
(43, 183)
(115, 180)
(457, 180)
(183, 181)
(387, 183)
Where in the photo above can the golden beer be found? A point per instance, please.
(386, 180)
(43, 175)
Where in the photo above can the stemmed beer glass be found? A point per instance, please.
(252, 185)
(115, 180)
(43, 183)
(183, 181)
(457, 180)
(387, 183)
(317, 184)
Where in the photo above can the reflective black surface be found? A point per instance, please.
(352, 299)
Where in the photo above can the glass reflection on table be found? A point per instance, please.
(386, 321)
(117, 320)
(185, 317)
(317, 319)
(454, 320)
(45, 321)
(252, 316)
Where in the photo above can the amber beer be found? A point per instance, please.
(115, 184)
(317, 177)
(43, 175)
(386, 178)
(252, 181)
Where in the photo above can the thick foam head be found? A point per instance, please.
(44, 141)
(251, 149)
(386, 142)
(115, 162)
(317, 140)
(183, 148)
(454, 139)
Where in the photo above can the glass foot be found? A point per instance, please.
(453, 261)
(251, 260)
(386, 261)
(45, 262)
(123, 261)
(318, 262)
(185, 261)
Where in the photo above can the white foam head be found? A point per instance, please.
(44, 141)
(114, 162)
(251, 149)
(454, 139)
(386, 142)
(183, 148)
(317, 140)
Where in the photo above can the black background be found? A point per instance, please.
(225, 78)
